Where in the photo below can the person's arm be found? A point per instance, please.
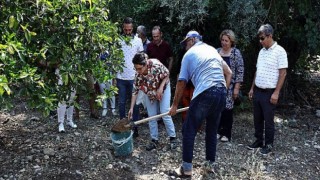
(133, 98)
(282, 77)
(252, 86)
(170, 63)
(177, 97)
(236, 90)
(160, 89)
(227, 73)
(133, 101)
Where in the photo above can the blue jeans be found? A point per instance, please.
(162, 106)
(207, 105)
(125, 91)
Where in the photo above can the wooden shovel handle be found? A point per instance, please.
(158, 116)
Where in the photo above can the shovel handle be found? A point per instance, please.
(158, 116)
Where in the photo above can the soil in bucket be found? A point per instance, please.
(122, 125)
(122, 143)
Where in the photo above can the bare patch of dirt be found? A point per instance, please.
(32, 148)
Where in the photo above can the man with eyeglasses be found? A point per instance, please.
(268, 80)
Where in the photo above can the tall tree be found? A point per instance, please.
(39, 36)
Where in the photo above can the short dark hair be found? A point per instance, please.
(128, 20)
(266, 29)
(140, 58)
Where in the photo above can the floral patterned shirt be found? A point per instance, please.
(150, 83)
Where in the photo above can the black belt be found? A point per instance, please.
(264, 90)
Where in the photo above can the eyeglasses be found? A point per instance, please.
(262, 38)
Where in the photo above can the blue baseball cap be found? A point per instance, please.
(190, 35)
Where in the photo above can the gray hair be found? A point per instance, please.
(265, 29)
(141, 29)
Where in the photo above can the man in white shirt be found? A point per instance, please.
(126, 77)
(270, 75)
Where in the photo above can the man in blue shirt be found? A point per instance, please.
(211, 77)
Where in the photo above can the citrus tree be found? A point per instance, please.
(39, 36)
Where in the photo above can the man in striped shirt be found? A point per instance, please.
(271, 71)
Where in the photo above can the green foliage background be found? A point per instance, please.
(296, 24)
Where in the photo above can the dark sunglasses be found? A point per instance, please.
(262, 38)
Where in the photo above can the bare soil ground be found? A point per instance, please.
(32, 148)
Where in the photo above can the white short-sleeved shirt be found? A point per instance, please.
(203, 65)
(268, 65)
(129, 50)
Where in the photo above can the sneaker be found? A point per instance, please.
(104, 112)
(173, 143)
(224, 139)
(71, 124)
(266, 149)
(256, 144)
(152, 145)
(113, 110)
(61, 128)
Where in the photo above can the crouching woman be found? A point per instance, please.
(152, 78)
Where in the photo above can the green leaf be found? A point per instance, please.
(2, 46)
(41, 84)
(65, 78)
(1, 90)
(11, 22)
(6, 87)
(10, 49)
(23, 75)
(27, 35)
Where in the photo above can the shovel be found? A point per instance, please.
(125, 125)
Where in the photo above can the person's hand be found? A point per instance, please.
(274, 98)
(173, 111)
(130, 113)
(235, 94)
(250, 94)
(159, 94)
